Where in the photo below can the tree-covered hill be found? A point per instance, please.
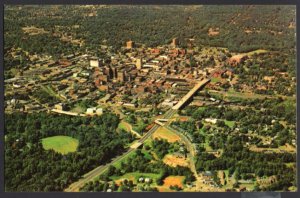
(241, 28)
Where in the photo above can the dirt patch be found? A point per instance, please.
(289, 148)
(285, 148)
(118, 182)
(164, 189)
(173, 181)
(213, 31)
(34, 30)
(267, 181)
(248, 31)
(163, 133)
(183, 118)
(221, 175)
(236, 59)
(149, 127)
(174, 161)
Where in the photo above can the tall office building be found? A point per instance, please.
(108, 71)
(121, 76)
(129, 44)
(175, 42)
(115, 72)
(139, 63)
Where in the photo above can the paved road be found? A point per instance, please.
(94, 173)
(185, 98)
(192, 154)
(101, 169)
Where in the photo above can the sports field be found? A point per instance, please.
(60, 144)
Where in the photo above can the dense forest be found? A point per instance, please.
(113, 25)
(28, 167)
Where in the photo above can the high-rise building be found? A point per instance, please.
(121, 76)
(115, 72)
(129, 44)
(109, 72)
(174, 42)
(139, 63)
(94, 63)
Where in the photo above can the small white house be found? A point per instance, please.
(99, 111)
(211, 120)
(141, 179)
(91, 110)
(94, 110)
(94, 63)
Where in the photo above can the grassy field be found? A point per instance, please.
(293, 188)
(78, 109)
(60, 144)
(233, 95)
(134, 176)
(147, 155)
(117, 164)
(124, 126)
(51, 92)
(259, 51)
(163, 133)
(290, 164)
(215, 80)
(229, 123)
(206, 145)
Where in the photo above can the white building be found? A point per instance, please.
(94, 110)
(211, 120)
(94, 63)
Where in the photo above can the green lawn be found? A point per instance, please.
(235, 95)
(60, 144)
(229, 123)
(136, 175)
(117, 164)
(78, 109)
(289, 165)
(148, 142)
(206, 145)
(259, 51)
(123, 126)
(215, 80)
(147, 155)
(229, 183)
(51, 92)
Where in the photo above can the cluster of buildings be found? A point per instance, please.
(139, 72)
(126, 77)
(67, 79)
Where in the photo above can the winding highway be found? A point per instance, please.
(90, 176)
(74, 187)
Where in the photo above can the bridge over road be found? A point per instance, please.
(74, 187)
(191, 93)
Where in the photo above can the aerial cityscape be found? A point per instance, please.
(114, 98)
